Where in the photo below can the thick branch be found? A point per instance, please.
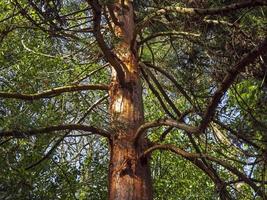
(210, 111)
(189, 156)
(53, 92)
(203, 11)
(64, 127)
(164, 122)
(228, 81)
(109, 55)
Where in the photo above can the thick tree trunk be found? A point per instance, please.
(129, 177)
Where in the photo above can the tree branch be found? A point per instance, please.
(210, 111)
(164, 94)
(239, 134)
(53, 92)
(164, 122)
(228, 81)
(157, 95)
(190, 156)
(165, 133)
(89, 110)
(109, 55)
(48, 154)
(171, 78)
(202, 11)
(63, 127)
(168, 33)
(57, 143)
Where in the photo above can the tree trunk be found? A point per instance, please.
(129, 177)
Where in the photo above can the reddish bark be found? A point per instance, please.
(129, 177)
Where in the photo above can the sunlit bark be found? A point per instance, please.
(129, 177)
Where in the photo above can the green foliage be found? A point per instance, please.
(52, 48)
(181, 185)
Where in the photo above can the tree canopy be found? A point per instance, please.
(202, 67)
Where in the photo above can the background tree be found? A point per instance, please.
(122, 90)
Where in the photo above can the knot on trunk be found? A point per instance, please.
(127, 169)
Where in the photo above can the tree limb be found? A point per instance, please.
(238, 134)
(210, 111)
(57, 143)
(164, 94)
(47, 155)
(164, 122)
(109, 55)
(228, 81)
(89, 110)
(188, 155)
(168, 33)
(201, 11)
(53, 92)
(171, 78)
(63, 127)
(157, 95)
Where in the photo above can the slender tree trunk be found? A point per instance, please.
(129, 177)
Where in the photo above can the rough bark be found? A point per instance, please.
(129, 177)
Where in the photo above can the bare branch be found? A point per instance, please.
(53, 92)
(63, 127)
